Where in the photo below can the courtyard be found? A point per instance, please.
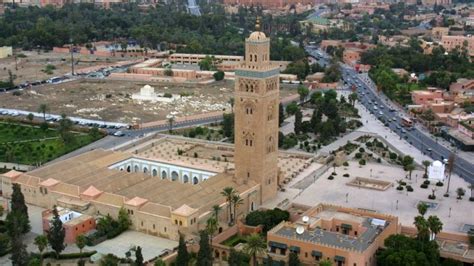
(451, 211)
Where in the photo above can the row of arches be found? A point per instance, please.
(174, 176)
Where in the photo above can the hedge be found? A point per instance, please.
(66, 256)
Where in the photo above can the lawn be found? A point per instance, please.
(234, 241)
(36, 150)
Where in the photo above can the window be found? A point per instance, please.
(175, 221)
(180, 223)
(153, 226)
(142, 223)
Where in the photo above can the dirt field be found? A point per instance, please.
(30, 68)
(111, 100)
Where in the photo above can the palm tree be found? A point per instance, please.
(216, 209)
(353, 98)
(255, 245)
(422, 208)
(228, 192)
(435, 225)
(211, 227)
(236, 200)
(41, 241)
(410, 169)
(422, 227)
(426, 163)
(43, 108)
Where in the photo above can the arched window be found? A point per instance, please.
(195, 180)
(164, 175)
(128, 169)
(121, 168)
(180, 223)
(145, 170)
(185, 179)
(136, 169)
(154, 172)
(174, 176)
(255, 58)
(248, 110)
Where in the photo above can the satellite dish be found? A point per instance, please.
(305, 219)
(299, 230)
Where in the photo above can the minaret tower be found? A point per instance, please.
(256, 116)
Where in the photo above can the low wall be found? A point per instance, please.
(179, 120)
(16, 166)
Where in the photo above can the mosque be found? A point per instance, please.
(170, 184)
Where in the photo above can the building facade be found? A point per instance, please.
(256, 117)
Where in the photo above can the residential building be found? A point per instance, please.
(74, 223)
(462, 91)
(425, 96)
(438, 32)
(345, 236)
(452, 42)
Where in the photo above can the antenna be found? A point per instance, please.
(305, 219)
(299, 229)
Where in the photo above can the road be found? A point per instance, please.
(387, 112)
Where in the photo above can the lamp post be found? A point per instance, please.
(72, 56)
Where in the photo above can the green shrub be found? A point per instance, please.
(426, 182)
(424, 185)
(345, 175)
(362, 162)
(331, 177)
(345, 164)
(267, 218)
(399, 188)
(409, 188)
(439, 184)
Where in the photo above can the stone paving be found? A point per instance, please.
(402, 204)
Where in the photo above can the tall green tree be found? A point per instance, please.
(298, 121)
(19, 254)
(228, 125)
(204, 256)
(238, 258)
(81, 242)
(435, 225)
(255, 246)
(138, 256)
(281, 114)
(183, 255)
(56, 233)
(124, 219)
(426, 164)
(17, 220)
(303, 92)
(236, 201)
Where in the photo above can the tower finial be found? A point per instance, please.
(257, 24)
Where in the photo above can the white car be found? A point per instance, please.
(119, 134)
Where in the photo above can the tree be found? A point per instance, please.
(17, 220)
(291, 108)
(435, 225)
(303, 92)
(43, 108)
(407, 160)
(204, 256)
(353, 98)
(236, 201)
(216, 209)
(402, 250)
(41, 242)
(211, 227)
(138, 256)
(183, 255)
(461, 192)
(422, 208)
(81, 242)
(19, 254)
(232, 102)
(168, 72)
(109, 260)
(56, 233)
(325, 263)
(228, 193)
(208, 63)
(255, 245)
(124, 219)
(410, 169)
(219, 75)
(294, 260)
(30, 117)
(422, 228)
(237, 258)
(228, 125)
(426, 163)
(159, 262)
(281, 114)
(298, 121)
(64, 128)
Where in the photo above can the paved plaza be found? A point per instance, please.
(399, 203)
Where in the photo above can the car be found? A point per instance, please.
(119, 134)
(404, 131)
(375, 108)
(429, 150)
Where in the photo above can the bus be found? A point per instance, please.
(406, 122)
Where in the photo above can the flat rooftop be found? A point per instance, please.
(320, 236)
